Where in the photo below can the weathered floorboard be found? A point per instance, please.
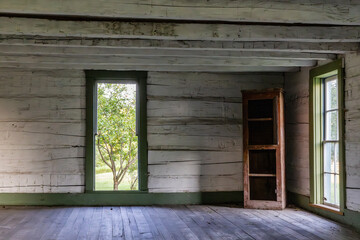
(167, 222)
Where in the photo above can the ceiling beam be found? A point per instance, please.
(167, 68)
(177, 31)
(268, 46)
(340, 12)
(63, 59)
(59, 50)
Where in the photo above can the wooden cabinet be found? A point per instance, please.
(264, 150)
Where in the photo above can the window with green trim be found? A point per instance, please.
(116, 131)
(326, 143)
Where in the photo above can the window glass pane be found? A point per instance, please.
(331, 157)
(331, 171)
(328, 188)
(331, 125)
(331, 94)
(116, 158)
(337, 162)
(337, 190)
(331, 189)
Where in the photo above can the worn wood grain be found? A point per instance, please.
(193, 108)
(42, 128)
(149, 67)
(177, 31)
(188, 45)
(205, 157)
(82, 223)
(297, 132)
(352, 140)
(168, 222)
(227, 130)
(207, 86)
(113, 52)
(310, 12)
(180, 169)
(134, 60)
(176, 142)
(245, 223)
(57, 222)
(195, 130)
(195, 183)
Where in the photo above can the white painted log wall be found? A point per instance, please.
(297, 132)
(352, 131)
(195, 129)
(42, 130)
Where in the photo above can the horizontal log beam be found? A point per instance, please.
(268, 46)
(343, 12)
(177, 31)
(146, 51)
(151, 60)
(137, 67)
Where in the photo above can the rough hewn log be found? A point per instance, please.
(203, 86)
(42, 128)
(195, 144)
(195, 183)
(204, 157)
(177, 31)
(151, 60)
(93, 51)
(268, 46)
(297, 131)
(352, 123)
(308, 11)
(147, 67)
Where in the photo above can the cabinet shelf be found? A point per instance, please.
(259, 119)
(261, 175)
(262, 147)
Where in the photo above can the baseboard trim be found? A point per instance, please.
(349, 217)
(116, 199)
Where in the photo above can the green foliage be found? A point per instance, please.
(101, 167)
(116, 141)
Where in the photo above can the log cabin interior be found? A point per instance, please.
(160, 119)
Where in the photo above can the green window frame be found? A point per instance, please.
(318, 78)
(92, 78)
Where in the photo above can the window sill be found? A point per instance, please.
(327, 208)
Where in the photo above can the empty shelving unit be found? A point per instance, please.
(264, 155)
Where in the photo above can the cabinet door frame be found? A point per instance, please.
(278, 146)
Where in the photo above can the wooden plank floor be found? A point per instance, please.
(166, 222)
